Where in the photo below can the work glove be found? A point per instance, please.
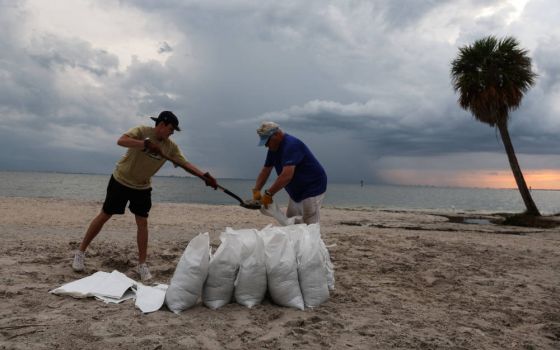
(256, 194)
(152, 147)
(210, 181)
(266, 200)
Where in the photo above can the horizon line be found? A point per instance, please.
(251, 179)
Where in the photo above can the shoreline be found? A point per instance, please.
(404, 279)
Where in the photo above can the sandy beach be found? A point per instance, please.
(404, 280)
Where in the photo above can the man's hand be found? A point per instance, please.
(152, 147)
(266, 200)
(256, 194)
(210, 181)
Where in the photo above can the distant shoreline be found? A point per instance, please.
(357, 183)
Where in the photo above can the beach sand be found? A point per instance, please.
(404, 280)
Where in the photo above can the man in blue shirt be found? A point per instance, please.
(298, 172)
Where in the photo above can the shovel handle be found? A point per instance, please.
(231, 194)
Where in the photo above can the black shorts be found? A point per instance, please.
(118, 195)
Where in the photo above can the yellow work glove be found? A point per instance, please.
(256, 194)
(266, 200)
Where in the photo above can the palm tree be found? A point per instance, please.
(491, 77)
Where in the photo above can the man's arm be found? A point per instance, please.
(262, 177)
(283, 179)
(130, 142)
(192, 169)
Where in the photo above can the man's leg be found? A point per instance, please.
(140, 204)
(94, 228)
(311, 207)
(294, 209)
(115, 202)
(142, 238)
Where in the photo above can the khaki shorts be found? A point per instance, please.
(308, 209)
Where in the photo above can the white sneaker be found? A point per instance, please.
(144, 272)
(79, 258)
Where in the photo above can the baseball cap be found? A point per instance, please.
(168, 118)
(266, 130)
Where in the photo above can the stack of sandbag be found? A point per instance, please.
(291, 262)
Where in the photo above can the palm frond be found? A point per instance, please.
(491, 77)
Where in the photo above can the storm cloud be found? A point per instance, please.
(364, 83)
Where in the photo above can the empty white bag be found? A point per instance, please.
(274, 211)
(189, 276)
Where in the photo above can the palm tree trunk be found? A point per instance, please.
(517, 174)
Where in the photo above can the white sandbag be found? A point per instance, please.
(274, 211)
(189, 276)
(312, 269)
(328, 264)
(295, 232)
(326, 256)
(251, 284)
(281, 268)
(222, 271)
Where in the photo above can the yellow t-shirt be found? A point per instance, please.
(136, 168)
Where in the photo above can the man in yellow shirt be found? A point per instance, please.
(148, 149)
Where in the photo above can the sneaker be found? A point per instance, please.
(144, 272)
(79, 258)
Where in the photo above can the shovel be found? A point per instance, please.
(245, 204)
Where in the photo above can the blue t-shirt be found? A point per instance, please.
(309, 178)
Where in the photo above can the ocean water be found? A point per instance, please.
(192, 190)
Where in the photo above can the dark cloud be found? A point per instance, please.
(545, 58)
(54, 53)
(394, 135)
(402, 13)
(358, 81)
(165, 47)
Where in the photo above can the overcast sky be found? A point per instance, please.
(365, 84)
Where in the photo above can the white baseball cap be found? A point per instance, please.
(266, 130)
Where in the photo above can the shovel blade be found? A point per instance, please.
(251, 204)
